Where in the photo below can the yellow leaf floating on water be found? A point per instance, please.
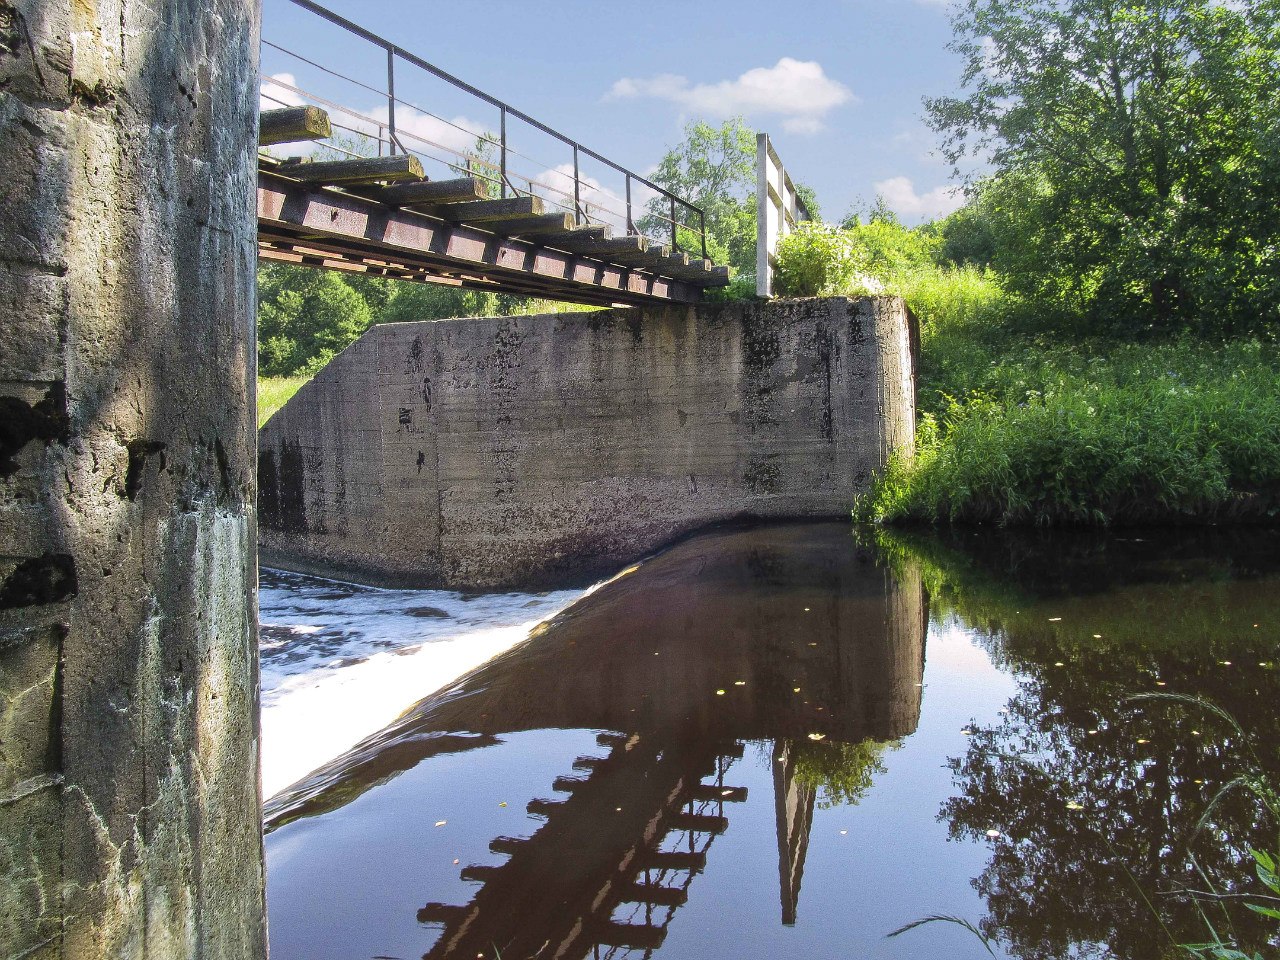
(441, 823)
(1072, 805)
(1143, 740)
(739, 683)
(795, 689)
(817, 736)
(1054, 619)
(719, 693)
(502, 803)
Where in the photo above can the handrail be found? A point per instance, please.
(779, 209)
(394, 51)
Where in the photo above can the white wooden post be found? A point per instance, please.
(778, 210)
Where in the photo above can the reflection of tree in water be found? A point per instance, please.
(1096, 797)
(840, 773)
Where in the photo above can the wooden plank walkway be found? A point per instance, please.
(381, 217)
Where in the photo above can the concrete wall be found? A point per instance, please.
(527, 450)
(129, 822)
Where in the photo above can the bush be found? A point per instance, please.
(818, 260)
(1055, 434)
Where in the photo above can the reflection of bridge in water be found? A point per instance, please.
(615, 861)
(610, 866)
(785, 635)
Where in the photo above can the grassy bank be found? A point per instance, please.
(1026, 420)
(274, 393)
(1102, 432)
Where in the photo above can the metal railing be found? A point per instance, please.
(642, 202)
(779, 208)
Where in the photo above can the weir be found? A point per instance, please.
(526, 450)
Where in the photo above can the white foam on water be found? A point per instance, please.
(340, 661)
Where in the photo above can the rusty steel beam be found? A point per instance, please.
(338, 223)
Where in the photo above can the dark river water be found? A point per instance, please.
(789, 741)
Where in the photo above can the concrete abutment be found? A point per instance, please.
(129, 806)
(522, 451)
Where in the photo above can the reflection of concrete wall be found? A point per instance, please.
(478, 452)
(754, 613)
(777, 607)
(128, 733)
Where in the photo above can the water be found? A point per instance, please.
(775, 742)
(340, 660)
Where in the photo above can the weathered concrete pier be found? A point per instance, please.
(524, 450)
(129, 809)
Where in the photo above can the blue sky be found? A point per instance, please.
(836, 83)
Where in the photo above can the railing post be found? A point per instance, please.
(766, 220)
(631, 226)
(675, 244)
(577, 193)
(391, 99)
(503, 137)
(702, 223)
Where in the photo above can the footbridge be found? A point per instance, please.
(392, 187)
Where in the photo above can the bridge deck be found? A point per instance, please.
(380, 216)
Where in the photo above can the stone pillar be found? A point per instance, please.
(129, 800)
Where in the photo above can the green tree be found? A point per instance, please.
(305, 316)
(430, 301)
(968, 236)
(1136, 145)
(715, 169)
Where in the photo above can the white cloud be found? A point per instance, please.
(458, 135)
(901, 196)
(272, 95)
(799, 91)
(802, 125)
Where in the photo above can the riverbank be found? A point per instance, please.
(1028, 417)
(1103, 432)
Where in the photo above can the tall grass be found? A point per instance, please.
(1074, 435)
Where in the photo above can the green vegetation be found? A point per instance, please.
(1103, 432)
(1097, 323)
(1134, 150)
(306, 316)
(841, 773)
(714, 168)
